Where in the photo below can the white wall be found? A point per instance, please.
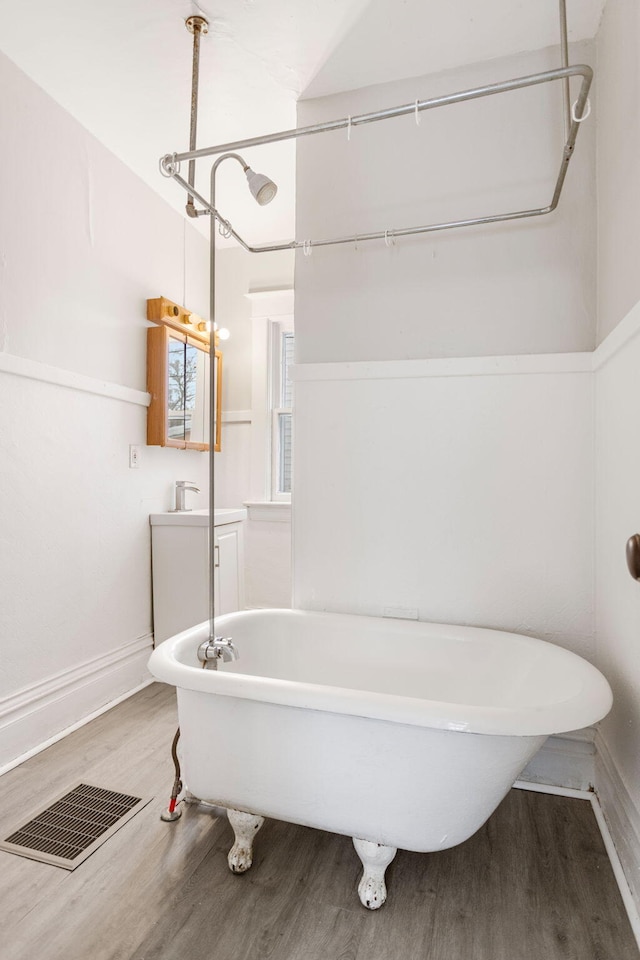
(83, 244)
(462, 493)
(268, 562)
(267, 541)
(618, 149)
(618, 421)
(617, 594)
(514, 288)
(466, 498)
(239, 273)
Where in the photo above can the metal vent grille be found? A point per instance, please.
(70, 829)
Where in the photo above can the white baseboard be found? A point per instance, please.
(621, 814)
(39, 714)
(564, 761)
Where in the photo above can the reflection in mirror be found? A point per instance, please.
(197, 395)
(190, 353)
(176, 390)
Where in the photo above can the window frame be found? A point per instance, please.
(268, 309)
(277, 329)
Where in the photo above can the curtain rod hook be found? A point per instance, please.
(169, 165)
(585, 114)
(417, 114)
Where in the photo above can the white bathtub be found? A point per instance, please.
(404, 734)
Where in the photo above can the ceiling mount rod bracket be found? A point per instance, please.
(197, 26)
(197, 23)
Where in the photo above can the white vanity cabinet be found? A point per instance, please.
(180, 571)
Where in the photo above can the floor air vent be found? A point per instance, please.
(69, 830)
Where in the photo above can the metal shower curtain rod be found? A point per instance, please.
(170, 167)
(170, 163)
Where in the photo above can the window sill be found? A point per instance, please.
(270, 510)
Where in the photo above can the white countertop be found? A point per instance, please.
(197, 518)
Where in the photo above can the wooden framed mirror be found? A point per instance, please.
(178, 379)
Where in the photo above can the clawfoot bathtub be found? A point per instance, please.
(398, 734)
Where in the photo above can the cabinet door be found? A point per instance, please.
(227, 559)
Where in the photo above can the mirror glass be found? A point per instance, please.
(197, 394)
(176, 390)
(187, 393)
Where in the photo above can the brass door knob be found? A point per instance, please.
(633, 556)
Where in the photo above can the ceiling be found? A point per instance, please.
(123, 69)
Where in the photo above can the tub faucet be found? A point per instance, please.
(181, 487)
(217, 648)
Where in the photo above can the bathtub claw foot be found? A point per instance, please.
(245, 826)
(375, 857)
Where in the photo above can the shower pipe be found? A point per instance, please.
(197, 26)
(170, 163)
(564, 57)
(212, 313)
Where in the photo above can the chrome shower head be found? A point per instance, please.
(262, 188)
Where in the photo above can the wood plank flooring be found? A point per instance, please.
(534, 884)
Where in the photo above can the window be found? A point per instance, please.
(272, 350)
(282, 346)
(281, 358)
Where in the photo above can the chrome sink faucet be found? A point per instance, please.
(181, 487)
